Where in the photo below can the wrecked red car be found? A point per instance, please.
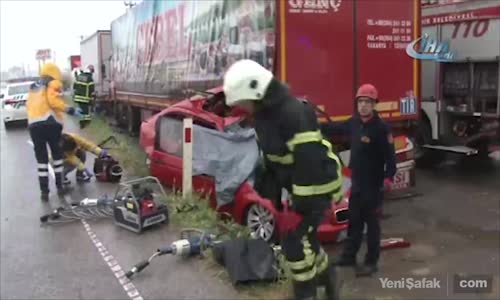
(161, 138)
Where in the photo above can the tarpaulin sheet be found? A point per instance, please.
(230, 157)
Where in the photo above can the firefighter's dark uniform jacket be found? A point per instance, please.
(304, 164)
(83, 87)
(294, 148)
(372, 151)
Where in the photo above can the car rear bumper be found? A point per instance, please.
(10, 114)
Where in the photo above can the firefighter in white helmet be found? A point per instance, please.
(302, 162)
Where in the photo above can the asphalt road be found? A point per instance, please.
(453, 228)
(64, 262)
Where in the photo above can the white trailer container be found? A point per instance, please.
(96, 50)
(461, 98)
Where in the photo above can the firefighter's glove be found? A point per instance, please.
(103, 154)
(387, 184)
(70, 110)
(74, 111)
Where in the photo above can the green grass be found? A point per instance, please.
(127, 151)
(133, 159)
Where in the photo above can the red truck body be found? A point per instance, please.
(74, 62)
(324, 49)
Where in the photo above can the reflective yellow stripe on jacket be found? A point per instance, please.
(334, 186)
(87, 97)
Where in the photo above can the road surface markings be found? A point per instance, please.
(109, 259)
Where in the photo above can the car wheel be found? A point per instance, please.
(7, 125)
(261, 222)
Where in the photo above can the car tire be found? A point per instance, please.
(261, 222)
(7, 125)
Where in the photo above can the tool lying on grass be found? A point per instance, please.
(135, 207)
(245, 260)
(193, 242)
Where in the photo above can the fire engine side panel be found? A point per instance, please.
(319, 54)
(476, 40)
(384, 30)
(430, 69)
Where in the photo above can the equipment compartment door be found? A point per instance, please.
(316, 52)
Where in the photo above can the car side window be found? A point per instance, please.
(170, 136)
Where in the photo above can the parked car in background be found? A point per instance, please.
(14, 102)
(161, 137)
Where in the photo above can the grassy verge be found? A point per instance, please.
(133, 160)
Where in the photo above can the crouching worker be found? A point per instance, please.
(75, 150)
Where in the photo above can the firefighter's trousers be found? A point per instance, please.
(305, 257)
(85, 106)
(44, 133)
(364, 208)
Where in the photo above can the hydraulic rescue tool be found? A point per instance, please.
(135, 206)
(107, 169)
(193, 242)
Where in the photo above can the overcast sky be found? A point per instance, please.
(26, 26)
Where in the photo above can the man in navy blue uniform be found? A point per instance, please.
(373, 165)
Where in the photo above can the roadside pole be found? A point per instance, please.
(187, 158)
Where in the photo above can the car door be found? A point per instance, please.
(166, 158)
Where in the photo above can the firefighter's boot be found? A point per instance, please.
(329, 279)
(346, 261)
(304, 290)
(366, 270)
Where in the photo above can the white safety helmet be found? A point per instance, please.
(246, 80)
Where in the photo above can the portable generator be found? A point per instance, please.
(139, 205)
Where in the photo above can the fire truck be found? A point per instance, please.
(460, 108)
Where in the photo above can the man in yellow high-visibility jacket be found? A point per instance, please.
(75, 149)
(46, 107)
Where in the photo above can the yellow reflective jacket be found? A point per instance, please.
(81, 144)
(44, 98)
